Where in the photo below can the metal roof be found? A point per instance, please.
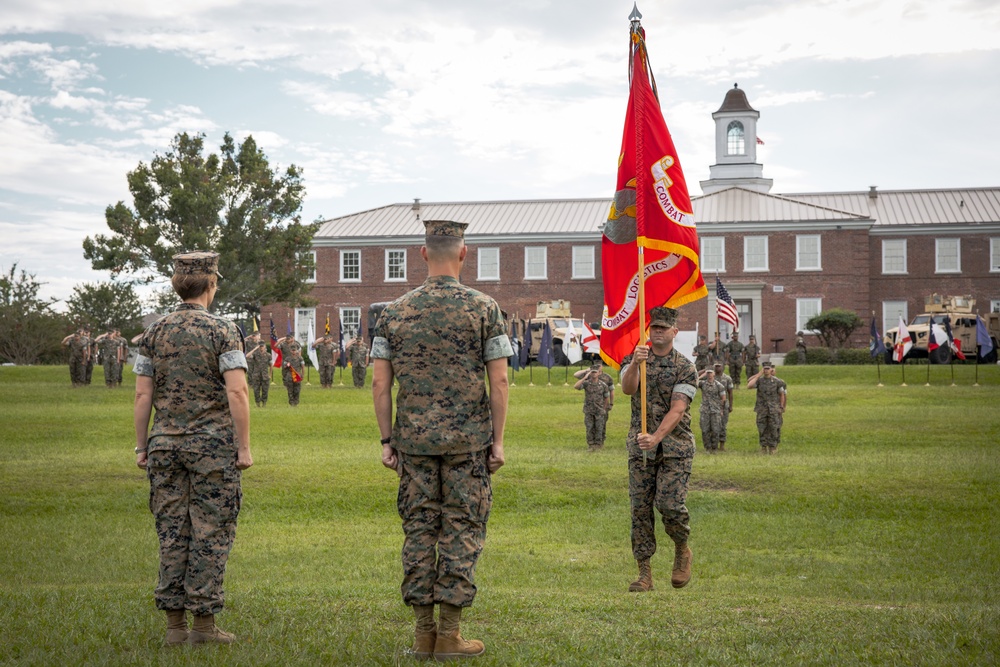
(736, 100)
(732, 206)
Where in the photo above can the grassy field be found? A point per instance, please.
(872, 537)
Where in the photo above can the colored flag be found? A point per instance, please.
(955, 345)
(311, 351)
(295, 376)
(515, 343)
(935, 336)
(255, 327)
(903, 342)
(725, 306)
(651, 213)
(288, 325)
(546, 356)
(983, 339)
(571, 345)
(275, 352)
(760, 142)
(875, 344)
(591, 342)
(342, 358)
(525, 343)
(326, 327)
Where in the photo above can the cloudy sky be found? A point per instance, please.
(454, 100)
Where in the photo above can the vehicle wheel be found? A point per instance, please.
(888, 361)
(942, 355)
(991, 358)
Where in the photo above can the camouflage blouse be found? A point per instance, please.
(667, 375)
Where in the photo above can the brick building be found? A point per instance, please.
(783, 258)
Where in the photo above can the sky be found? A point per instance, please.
(384, 101)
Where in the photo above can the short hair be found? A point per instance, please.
(192, 286)
(440, 247)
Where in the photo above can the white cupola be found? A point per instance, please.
(736, 147)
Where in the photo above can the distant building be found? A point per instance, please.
(783, 258)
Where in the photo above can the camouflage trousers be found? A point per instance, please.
(734, 372)
(326, 374)
(725, 425)
(88, 371)
(261, 385)
(112, 370)
(77, 371)
(711, 429)
(769, 429)
(662, 483)
(294, 390)
(595, 423)
(358, 372)
(195, 499)
(751, 369)
(444, 502)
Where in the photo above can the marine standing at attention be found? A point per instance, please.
(751, 356)
(772, 393)
(192, 369)
(727, 382)
(734, 351)
(357, 352)
(440, 341)
(662, 481)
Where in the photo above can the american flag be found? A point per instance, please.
(275, 352)
(726, 307)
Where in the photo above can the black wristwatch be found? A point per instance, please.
(386, 441)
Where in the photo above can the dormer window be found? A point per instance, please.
(735, 144)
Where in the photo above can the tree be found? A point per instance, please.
(28, 327)
(834, 327)
(105, 306)
(232, 203)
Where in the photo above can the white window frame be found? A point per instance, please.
(349, 331)
(709, 240)
(302, 332)
(746, 254)
(891, 312)
(545, 262)
(344, 253)
(799, 265)
(736, 145)
(587, 271)
(311, 278)
(800, 319)
(958, 256)
(995, 305)
(388, 252)
(484, 252)
(995, 255)
(887, 246)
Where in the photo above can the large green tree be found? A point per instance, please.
(29, 329)
(105, 306)
(834, 326)
(231, 202)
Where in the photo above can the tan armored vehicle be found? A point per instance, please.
(558, 314)
(960, 310)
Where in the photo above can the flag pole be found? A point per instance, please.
(640, 180)
(976, 383)
(878, 361)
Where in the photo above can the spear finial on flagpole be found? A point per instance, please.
(636, 15)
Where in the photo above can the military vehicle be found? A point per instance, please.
(558, 315)
(960, 310)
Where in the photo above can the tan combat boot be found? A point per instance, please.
(177, 628)
(449, 644)
(644, 583)
(204, 631)
(425, 632)
(681, 575)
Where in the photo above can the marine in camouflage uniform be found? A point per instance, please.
(713, 406)
(327, 350)
(734, 351)
(439, 341)
(727, 382)
(662, 480)
(110, 346)
(702, 354)
(770, 407)
(191, 369)
(79, 348)
(800, 347)
(292, 382)
(259, 371)
(91, 358)
(596, 403)
(287, 345)
(123, 353)
(357, 352)
(751, 355)
(718, 350)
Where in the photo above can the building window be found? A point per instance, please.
(807, 253)
(893, 255)
(350, 318)
(395, 265)
(489, 263)
(805, 310)
(535, 263)
(735, 140)
(304, 317)
(713, 253)
(350, 266)
(891, 312)
(308, 260)
(994, 255)
(583, 261)
(948, 255)
(995, 305)
(755, 253)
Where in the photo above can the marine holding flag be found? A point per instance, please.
(651, 211)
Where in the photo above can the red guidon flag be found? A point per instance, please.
(651, 210)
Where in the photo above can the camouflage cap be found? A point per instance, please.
(596, 366)
(662, 317)
(445, 228)
(767, 364)
(719, 364)
(197, 263)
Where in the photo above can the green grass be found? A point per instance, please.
(870, 538)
